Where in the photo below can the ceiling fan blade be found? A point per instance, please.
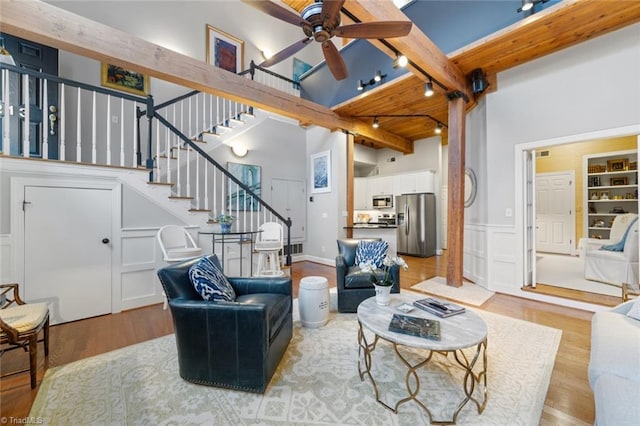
(383, 29)
(334, 60)
(277, 11)
(286, 52)
(331, 11)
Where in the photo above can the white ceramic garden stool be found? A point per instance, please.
(313, 301)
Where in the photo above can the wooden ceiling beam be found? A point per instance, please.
(416, 46)
(49, 25)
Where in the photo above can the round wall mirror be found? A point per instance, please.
(470, 187)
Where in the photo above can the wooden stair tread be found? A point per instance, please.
(200, 210)
(160, 183)
(178, 197)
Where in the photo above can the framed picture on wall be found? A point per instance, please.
(118, 78)
(321, 172)
(237, 198)
(224, 50)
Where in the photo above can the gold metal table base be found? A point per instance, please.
(413, 386)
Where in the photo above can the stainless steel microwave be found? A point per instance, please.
(382, 201)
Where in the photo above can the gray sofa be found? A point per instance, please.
(614, 366)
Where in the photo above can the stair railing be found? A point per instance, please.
(230, 195)
(271, 79)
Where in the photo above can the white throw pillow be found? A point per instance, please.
(634, 312)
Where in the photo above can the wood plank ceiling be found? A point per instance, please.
(565, 24)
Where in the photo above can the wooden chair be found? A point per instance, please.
(20, 324)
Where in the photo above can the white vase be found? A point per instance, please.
(383, 294)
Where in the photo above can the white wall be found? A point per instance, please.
(587, 89)
(181, 26)
(326, 214)
(592, 86)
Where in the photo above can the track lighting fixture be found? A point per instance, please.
(400, 61)
(428, 88)
(376, 123)
(528, 4)
(377, 78)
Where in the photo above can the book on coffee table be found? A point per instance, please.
(414, 326)
(438, 307)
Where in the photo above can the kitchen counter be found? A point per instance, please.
(370, 226)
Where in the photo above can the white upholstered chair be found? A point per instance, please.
(614, 267)
(618, 228)
(176, 244)
(268, 245)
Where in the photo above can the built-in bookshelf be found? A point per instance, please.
(611, 189)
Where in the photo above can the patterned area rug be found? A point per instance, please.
(316, 383)
(469, 293)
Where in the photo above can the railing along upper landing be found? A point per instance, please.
(88, 124)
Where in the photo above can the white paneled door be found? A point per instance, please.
(555, 215)
(67, 250)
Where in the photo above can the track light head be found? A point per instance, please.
(438, 128)
(428, 88)
(375, 123)
(400, 61)
(360, 85)
(526, 5)
(377, 77)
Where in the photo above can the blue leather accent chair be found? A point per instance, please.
(353, 285)
(235, 345)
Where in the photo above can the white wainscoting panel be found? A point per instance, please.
(7, 260)
(503, 252)
(475, 254)
(141, 257)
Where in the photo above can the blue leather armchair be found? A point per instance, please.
(235, 345)
(353, 285)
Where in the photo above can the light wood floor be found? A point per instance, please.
(569, 399)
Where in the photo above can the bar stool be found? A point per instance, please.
(268, 246)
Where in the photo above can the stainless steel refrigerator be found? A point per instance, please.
(416, 221)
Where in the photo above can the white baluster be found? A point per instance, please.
(217, 111)
(197, 181)
(122, 132)
(108, 121)
(178, 168)
(134, 146)
(62, 124)
(196, 117)
(210, 113)
(94, 142)
(204, 113)
(156, 162)
(206, 184)
(45, 120)
(214, 207)
(188, 169)
(26, 124)
(79, 128)
(6, 139)
(169, 153)
(190, 118)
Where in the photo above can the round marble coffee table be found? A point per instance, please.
(457, 332)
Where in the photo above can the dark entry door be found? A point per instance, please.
(35, 57)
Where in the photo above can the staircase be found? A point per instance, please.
(179, 139)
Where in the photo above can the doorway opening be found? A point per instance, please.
(559, 212)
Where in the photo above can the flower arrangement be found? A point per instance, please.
(225, 218)
(387, 263)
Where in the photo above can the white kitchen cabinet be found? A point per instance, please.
(380, 185)
(361, 199)
(414, 182)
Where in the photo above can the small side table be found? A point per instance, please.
(313, 301)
